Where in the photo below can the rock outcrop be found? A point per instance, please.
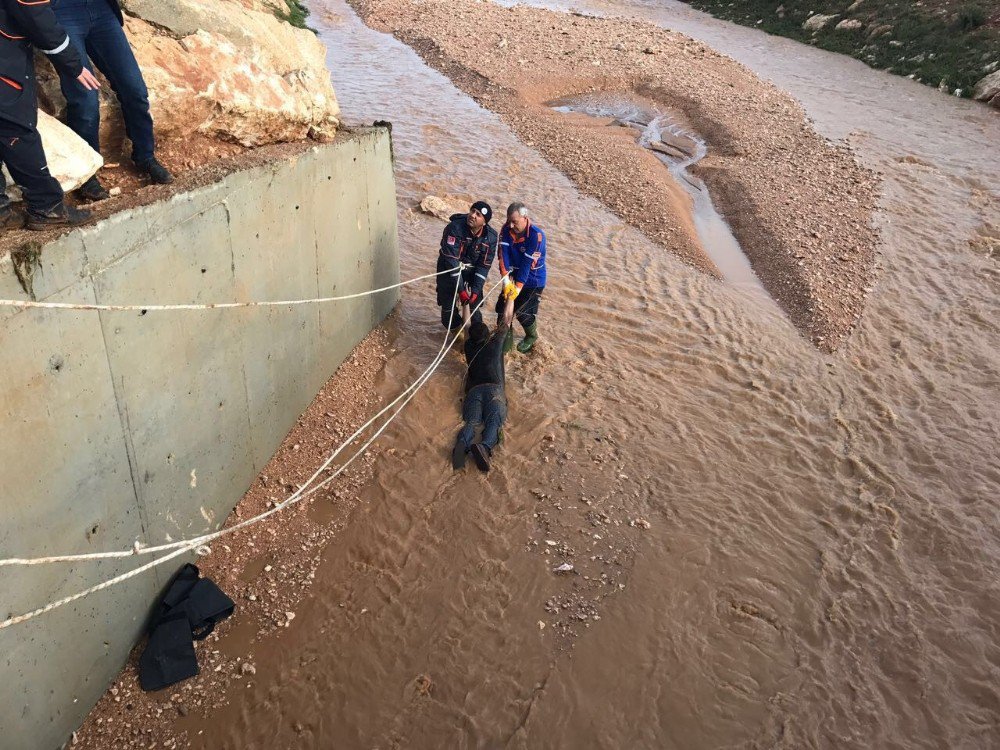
(70, 159)
(228, 69)
(817, 22)
(988, 89)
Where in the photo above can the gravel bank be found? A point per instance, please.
(800, 207)
(267, 568)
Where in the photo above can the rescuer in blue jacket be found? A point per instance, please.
(23, 24)
(467, 239)
(522, 255)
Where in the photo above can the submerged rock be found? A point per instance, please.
(439, 207)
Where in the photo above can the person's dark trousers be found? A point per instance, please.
(95, 31)
(485, 405)
(21, 150)
(525, 305)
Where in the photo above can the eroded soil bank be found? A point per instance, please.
(800, 207)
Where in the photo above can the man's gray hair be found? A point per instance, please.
(517, 208)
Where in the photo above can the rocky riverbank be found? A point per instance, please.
(800, 207)
(953, 45)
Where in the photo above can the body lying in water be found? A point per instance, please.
(485, 401)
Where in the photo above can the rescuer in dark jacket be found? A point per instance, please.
(23, 24)
(468, 239)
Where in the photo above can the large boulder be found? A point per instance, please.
(204, 83)
(988, 89)
(70, 160)
(229, 69)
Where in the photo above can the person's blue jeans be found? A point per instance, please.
(484, 405)
(96, 33)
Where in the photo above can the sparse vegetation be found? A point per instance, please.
(938, 42)
(296, 14)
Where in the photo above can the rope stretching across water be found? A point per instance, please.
(184, 546)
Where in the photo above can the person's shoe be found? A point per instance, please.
(530, 337)
(10, 217)
(508, 341)
(458, 454)
(92, 190)
(158, 173)
(481, 454)
(59, 216)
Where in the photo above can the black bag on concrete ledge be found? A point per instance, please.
(187, 612)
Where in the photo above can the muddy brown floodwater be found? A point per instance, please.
(771, 546)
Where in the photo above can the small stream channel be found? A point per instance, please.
(678, 148)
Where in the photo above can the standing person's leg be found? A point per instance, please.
(83, 112)
(526, 314)
(21, 150)
(83, 106)
(111, 52)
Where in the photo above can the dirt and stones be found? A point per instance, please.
(266, 568)
(800, 206)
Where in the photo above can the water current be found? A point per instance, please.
(822, 560)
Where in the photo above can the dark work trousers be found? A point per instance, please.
(525, 305)
(484, 405)
(21, 150)
(94, 30)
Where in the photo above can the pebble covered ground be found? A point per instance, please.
(800, 206)
(266, 569)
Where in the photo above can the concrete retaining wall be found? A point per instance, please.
(120, 426)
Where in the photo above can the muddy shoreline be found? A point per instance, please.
(800, 207)
(267, 569)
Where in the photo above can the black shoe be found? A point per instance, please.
(458, 454)
(92, 190)
(60, 216)
(10, 217)
(158, 173)
(482, 456)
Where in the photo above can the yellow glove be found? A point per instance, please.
(510, 290)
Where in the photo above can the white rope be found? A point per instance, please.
(31, 304)
(190, 544)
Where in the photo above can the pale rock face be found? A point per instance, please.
(817, 22)
(988, 90)
(225, 68)
(71, 161)
(204, 83)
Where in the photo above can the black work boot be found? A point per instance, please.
(158, 173)
(10, 217)
(59, 216)
(482, 455)
(92, 190)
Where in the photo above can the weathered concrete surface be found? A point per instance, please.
(121, 426)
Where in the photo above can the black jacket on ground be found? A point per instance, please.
(485, 362)
(459, 245)
(23, 24)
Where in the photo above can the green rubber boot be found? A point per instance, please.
(508, 342)
(530, 337)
